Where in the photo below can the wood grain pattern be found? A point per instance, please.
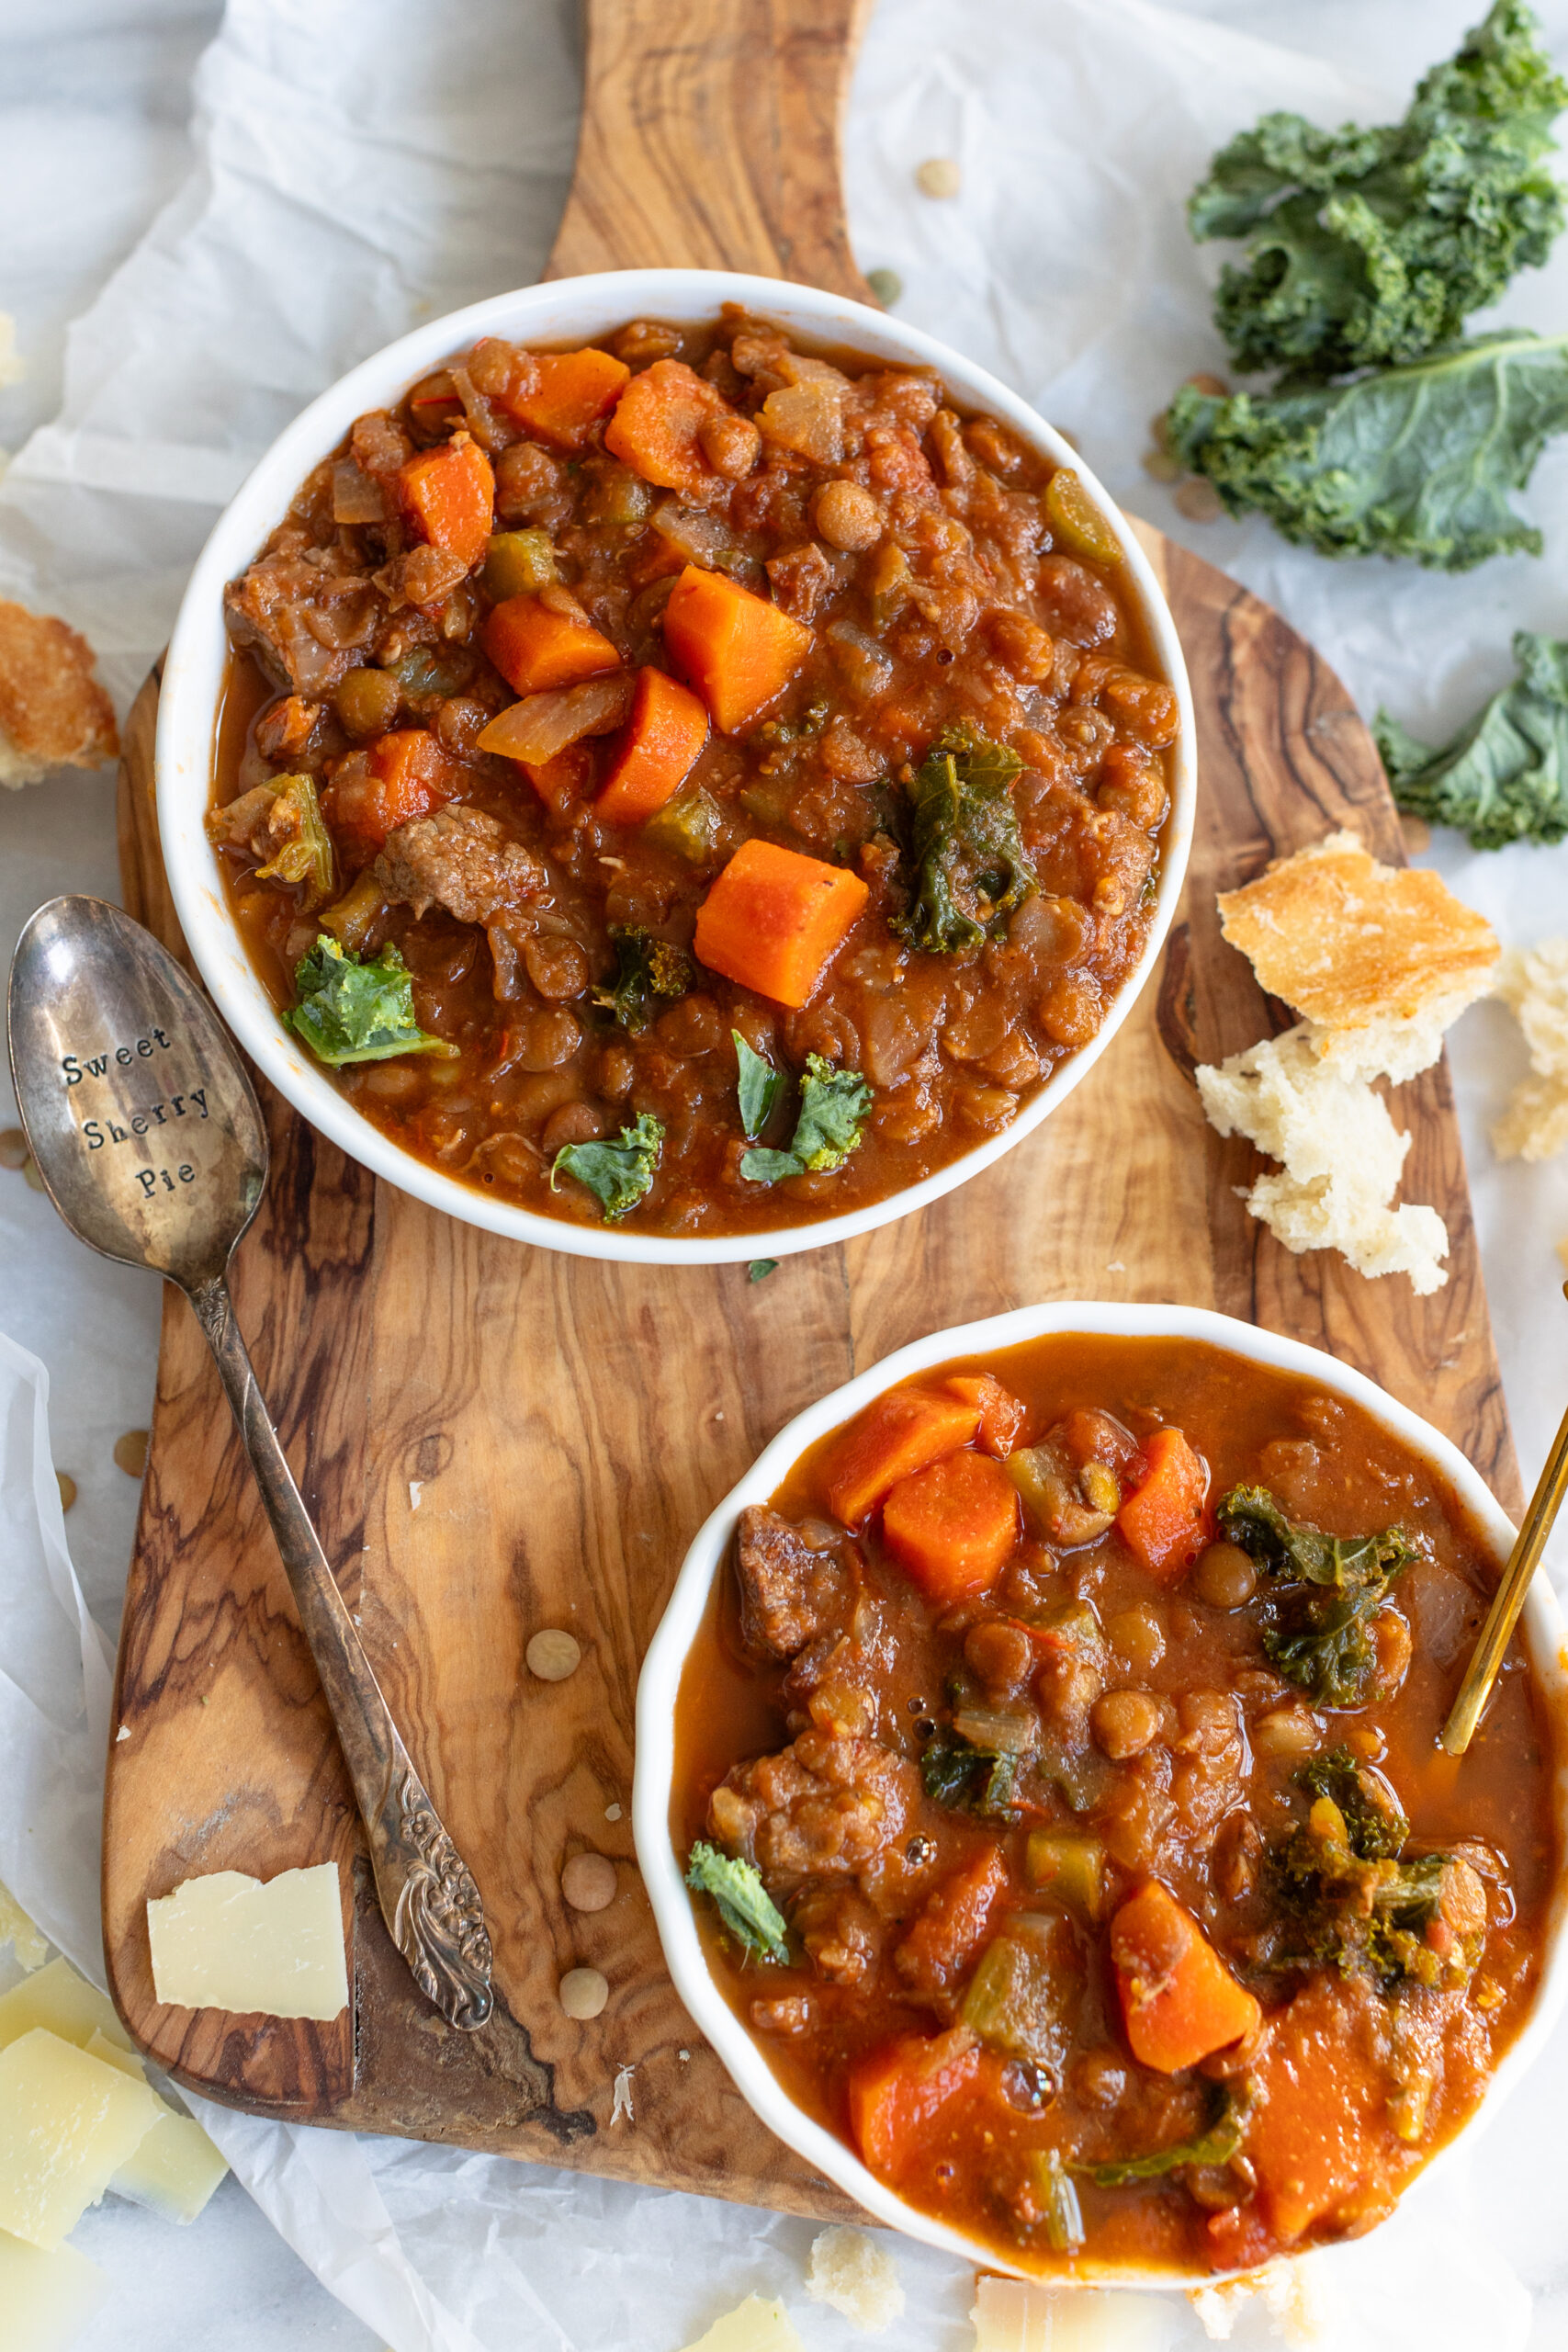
(494, 1440)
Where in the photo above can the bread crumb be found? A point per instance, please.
(29, 1945)
(1533, 984)
(753, 2326)
(53, 713)
(1287, 2292)
(1342, 1157)
(853, 2274)
(1378, 959)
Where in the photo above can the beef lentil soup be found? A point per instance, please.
(689, 779)
(1056, 1778)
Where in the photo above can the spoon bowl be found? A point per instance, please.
(141, 1121)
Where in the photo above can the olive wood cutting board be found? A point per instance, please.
(495, 1439)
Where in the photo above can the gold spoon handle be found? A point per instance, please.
(1508, 1599)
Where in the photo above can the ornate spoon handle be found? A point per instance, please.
(428, 1897)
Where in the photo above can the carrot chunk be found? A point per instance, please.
(405, 774)
(738, 650)
(897, 2094)
(535, 648)
(1162, 1520)
(657, 424)
(774, 920)
(949, 1927)
(1318, 2133)
(1179, 2002)
(1001, 1414)
(667, 730)
(898, 1434)
(563, 394)
(450, 494)
(953, 1527)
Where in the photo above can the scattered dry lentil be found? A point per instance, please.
(587, 1882)
(583, 1992)
(939, 175)
(130, 1452)
(553, 1653)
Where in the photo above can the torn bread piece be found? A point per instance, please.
(53, 713)
(1533, 984)
(1378, 960)
(1342, 1157)
(852, 2274)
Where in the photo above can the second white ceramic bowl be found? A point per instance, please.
(560, 312)
(707, 1559)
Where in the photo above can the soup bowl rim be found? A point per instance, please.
(559, 311)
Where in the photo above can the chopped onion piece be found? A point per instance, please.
(541, 725)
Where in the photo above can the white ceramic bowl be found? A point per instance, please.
(683, 1619)
(560, 312)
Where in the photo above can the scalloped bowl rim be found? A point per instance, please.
(659, 1683)
(192, 684)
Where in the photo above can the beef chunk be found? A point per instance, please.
(305, 612)
(459, 859)
(824, 1807)
(790, 1592)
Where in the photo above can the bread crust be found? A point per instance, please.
(1353, 944)
(53, 712)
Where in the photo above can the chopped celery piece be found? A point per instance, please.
(690, 825)
(1068, 1867)
(305, 846)
(1022, 1998)
(1058, 2199)
(518, 563)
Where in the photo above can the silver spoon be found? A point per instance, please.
(149, 1139)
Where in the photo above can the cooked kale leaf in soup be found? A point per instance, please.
(597, 718)
(1057, 1776)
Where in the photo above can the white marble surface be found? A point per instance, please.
(95, 139)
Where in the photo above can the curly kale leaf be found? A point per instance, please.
(1371, 245)
(1215, 2144)
(648, 969)
(1415, 462)
(1347, 1901)
(834, 1106)
(968, 1779)
(348, 1010)
(970, 867)
(1324, 1591)
(618, 1174)
(746, 1907)
(1505, 775)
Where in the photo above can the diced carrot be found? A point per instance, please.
(657, 422)
(738, 650)
(535, 648)
(404, 776)
(1001, 1413)
(953, 1527)
(1179, 2002)
(949, 1927)
(773, 919)
(1164, 1519)
(1318, 2134)
(563, 394)
(667, 730)
(450, 494)
(897, 2094)
(897, 1435)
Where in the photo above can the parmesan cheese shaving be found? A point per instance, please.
(227, 1941)
(754, 2326)
(67, 2123)
(47, 2298)
(62, 2002)
(1014, 2316)
(31, 1948)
